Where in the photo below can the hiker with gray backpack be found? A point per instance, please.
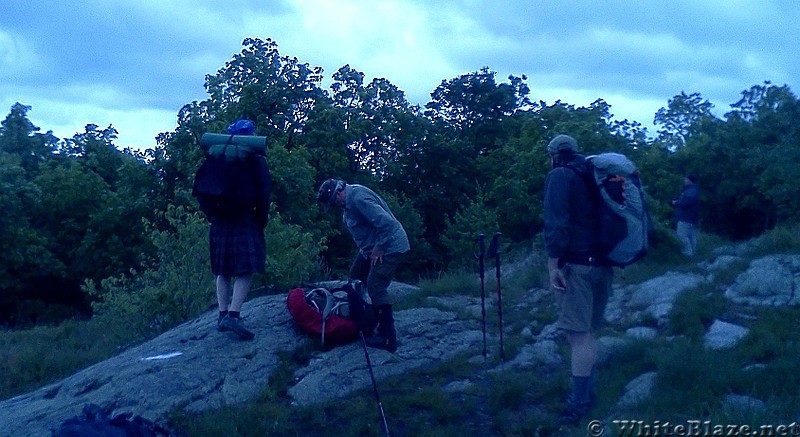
(232, 187)
(595, 218)
(382, 243)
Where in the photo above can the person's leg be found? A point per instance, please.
(583, 352)
(378, 280)
(359, 269)
(223, 284)
(241, 287)
(693, 234)
(380, 276)
(683, 230)
(576, 316)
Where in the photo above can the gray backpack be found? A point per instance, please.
(623, 218)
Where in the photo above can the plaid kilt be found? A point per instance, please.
(237, 247)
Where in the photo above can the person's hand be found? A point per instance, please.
(376, 257)
(557, 279)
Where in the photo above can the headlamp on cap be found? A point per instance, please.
(327, 192)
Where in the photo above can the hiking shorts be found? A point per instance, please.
(582, 304)
(378, 277)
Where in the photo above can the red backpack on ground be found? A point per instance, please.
(322, 314)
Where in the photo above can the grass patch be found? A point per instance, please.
(27, 361)
(782, 239)
(694, 311)
(446, 284)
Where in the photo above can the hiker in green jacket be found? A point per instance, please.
(382, 243)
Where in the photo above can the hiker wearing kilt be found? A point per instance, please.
(236, 236)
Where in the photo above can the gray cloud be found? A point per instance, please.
(134, 64)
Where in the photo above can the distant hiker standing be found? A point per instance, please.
(234, 194)
(687, 214)
(381, 242)
(581, 280)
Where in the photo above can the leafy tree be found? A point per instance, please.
(276, 92)
(475, 106)
(682, 115)
(518, 168)
(25, 259)
(766, 119)
(377, 119)
(18, 136)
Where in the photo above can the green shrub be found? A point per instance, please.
(292, 254)
(782, 239)
(459, 237)
(179, 287)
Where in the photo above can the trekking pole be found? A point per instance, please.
(374, 385)
(479, 256)
(494, 251)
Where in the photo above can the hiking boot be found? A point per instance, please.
(571, 415)
(235, 324)
(221, 328)
(387, 336)
(574, 411)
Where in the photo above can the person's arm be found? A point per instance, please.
(687, 199)
(556, 213)
(556, 224)
(382, 221)
(557, 279)
(265, 188)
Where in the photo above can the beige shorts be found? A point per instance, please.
(582, 304)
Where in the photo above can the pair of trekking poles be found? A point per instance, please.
(494, 252)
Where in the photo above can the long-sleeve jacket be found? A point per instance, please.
(687, 206)
(237, 190)
(371, 223)
(570, 211)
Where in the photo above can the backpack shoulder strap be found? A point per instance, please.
(586, 173)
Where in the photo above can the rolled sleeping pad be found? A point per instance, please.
(256, 144)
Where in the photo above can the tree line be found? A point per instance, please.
(84, 224)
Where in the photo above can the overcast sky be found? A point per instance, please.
(134, 63)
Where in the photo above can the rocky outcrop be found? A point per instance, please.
(650, 300)
(769, 281)
(193, 367)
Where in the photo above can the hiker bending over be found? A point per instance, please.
(687, 214)
(581, 280)
(236, 237)
(382, 243)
